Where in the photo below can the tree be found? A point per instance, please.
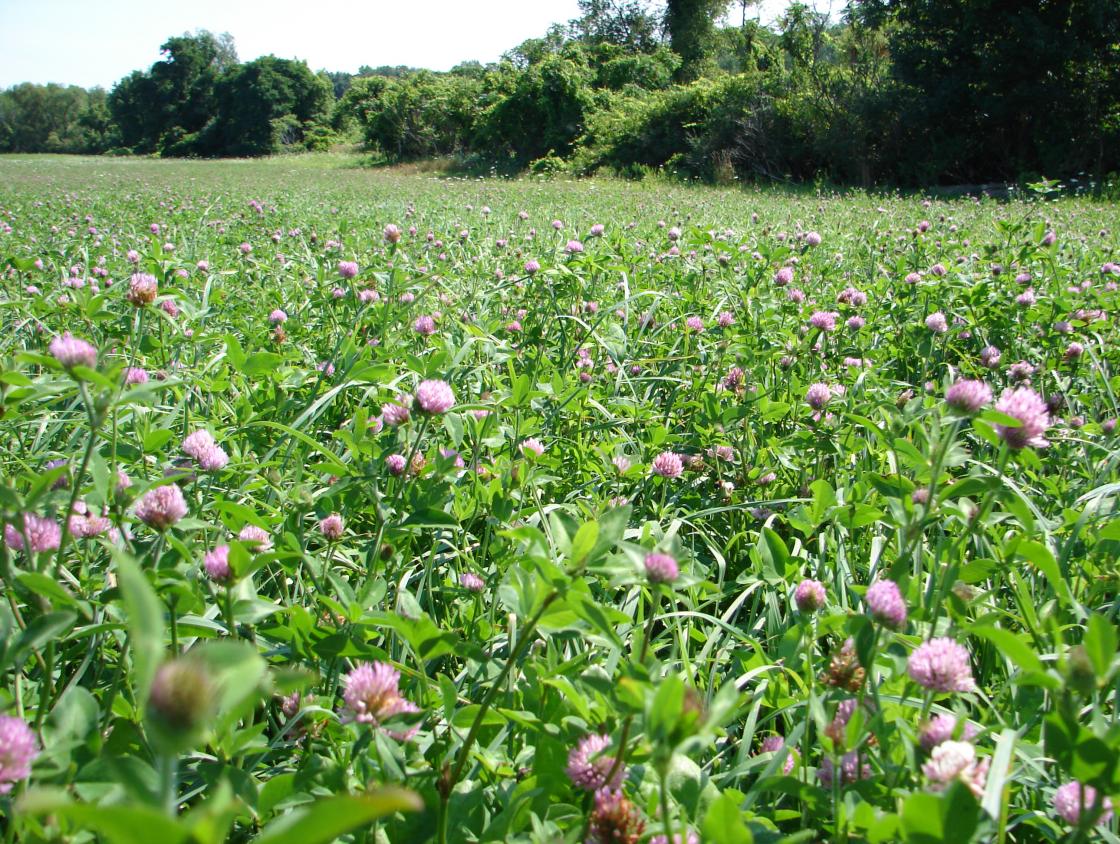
(690, 25)
(52, 118)
(540, 109)
(990, 89)
(630, 24)
(264, 105)
(174, 99)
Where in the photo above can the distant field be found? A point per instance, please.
(377, 505)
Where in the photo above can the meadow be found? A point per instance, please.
(376, 506)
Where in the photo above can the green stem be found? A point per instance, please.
(231, 625)
(167, 781)
(453, 775)
(666, 823)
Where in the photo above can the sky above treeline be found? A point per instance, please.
(88, 43)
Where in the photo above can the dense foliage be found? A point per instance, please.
(341, 505)
(894, 92)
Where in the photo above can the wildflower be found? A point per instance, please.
(941, 665)
(937, 323)
(162, 507)
(661, 568)
(532, 267)
(135, 375)
(621, 464)
(886, 604)
(783, 276)
(725, 319)
(818, 395)
(532, 446)
(142, 289)
(43, 534)
(391, 233)
(694, 323)
(1028, 407)
(425, 326)
(331, 527)
(213, 459)
(597, 230)
(71, 351)
(396, 464)
(774, 744)
(197, 443)
(668, 464)
(844, 670)
(588, 767)
(573, 247)
(371, 692)
(614, 820)
(813, 239)
(1074, 800)
(434, 397)
(851, 769)
(1020, 371)
(471, 582)
(956, 760)
(733, 380)
(809, 596)
(18, 749)
(347, 269)
(255, 539)
(85, 524)
(824, 320)
(967, 396)
(216, 563)
(277, 317)
(942, 728)
(396, 413)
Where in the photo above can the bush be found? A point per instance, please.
(419, 116)
(692, 121)
(538, 110)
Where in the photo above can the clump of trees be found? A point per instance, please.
(54, 118)
(198, 100)
(902, 92)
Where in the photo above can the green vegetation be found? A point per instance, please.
(889, 93)
(342, 505)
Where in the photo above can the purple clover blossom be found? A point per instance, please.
(588, 767)
(434, 397)
(810, 596)
(1028, 407)
(71, 351)
(661, 568)
(886, 604)
(968, 396)
(667, 464)
(18, 749)
(941, 665)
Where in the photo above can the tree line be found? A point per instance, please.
(902, 92)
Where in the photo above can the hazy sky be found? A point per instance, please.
(96, 42)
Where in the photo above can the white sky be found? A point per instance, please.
(96, 42)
